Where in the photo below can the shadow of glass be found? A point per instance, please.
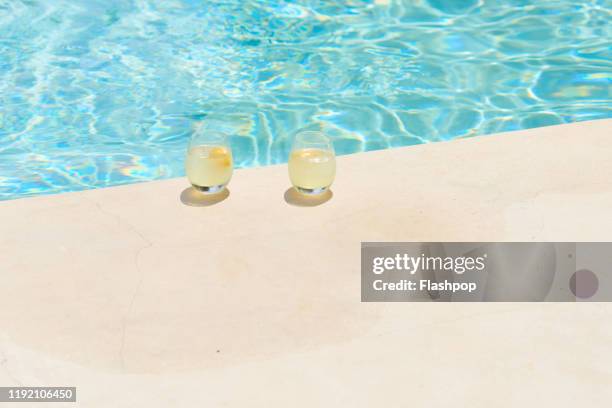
(192, 197)
(293, 197)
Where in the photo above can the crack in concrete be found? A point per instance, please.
(148, 244)
(131, 306)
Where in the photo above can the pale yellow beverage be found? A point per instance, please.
(209, 168)
(312, 170)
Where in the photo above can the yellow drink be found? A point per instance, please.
(209, 168)
(312, 170)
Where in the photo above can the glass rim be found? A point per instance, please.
(312, 137)
(204, 136)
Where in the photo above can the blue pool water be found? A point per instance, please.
(96, 93)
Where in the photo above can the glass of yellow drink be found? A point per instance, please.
(312, 163)
(209, 164)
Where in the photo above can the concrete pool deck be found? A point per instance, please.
(140, 300)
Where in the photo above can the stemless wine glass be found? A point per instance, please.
(312, 163)
(209, 164)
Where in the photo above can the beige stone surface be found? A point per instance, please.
(142, 301)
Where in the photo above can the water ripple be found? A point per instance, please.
(97, 93)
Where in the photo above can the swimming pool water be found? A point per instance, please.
(96, 93)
